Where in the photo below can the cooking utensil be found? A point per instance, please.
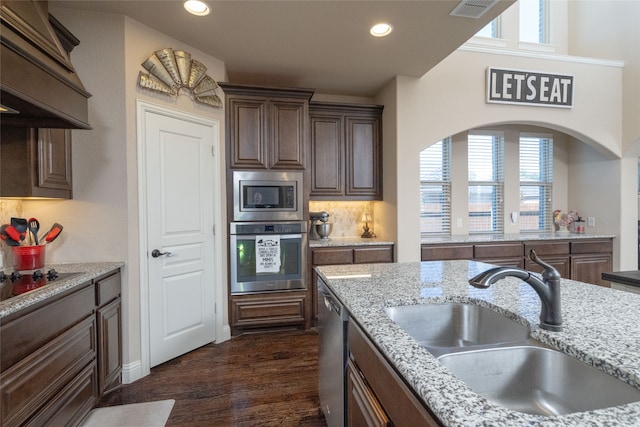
(21, 225)
(53, 233)
(13, 233)
(34, 226)
(6, 238)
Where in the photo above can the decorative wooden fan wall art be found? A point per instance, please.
(170, 71)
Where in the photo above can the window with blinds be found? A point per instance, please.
(486, 183)
(536, 183)
(435, 189)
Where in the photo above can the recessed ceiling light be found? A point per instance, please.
(196, 7)
(381, 30)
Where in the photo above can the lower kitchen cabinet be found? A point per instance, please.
(268, 310)
(52, 355)
(338, 255)
(376, 395)
(109, 322)
(579, 259)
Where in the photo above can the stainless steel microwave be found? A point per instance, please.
(267, 196)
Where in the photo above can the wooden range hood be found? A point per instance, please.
(37, 79)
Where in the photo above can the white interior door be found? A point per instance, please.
(180, 212)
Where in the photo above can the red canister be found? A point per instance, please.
(28, 257)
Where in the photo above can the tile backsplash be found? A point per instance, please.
(8, 208)
(345, 216)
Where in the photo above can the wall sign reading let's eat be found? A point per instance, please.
(529, 88)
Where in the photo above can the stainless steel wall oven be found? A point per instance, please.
(267, 256)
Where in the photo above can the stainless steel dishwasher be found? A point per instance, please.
(332, 329)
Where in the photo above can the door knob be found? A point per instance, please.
(156, 253)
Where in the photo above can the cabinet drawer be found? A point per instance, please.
(372, 255)
(107, 289)
(498, 250)
(592, 247)
(547, 248)
(446, 252)
(31, 331)
(36, 379)
(332, 256)
(268, 310)
(73, 403)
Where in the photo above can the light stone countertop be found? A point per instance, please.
(515, 237)
(88, 271)
(600, 328)
(347, 241)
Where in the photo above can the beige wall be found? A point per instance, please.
(101, 222)
(451, 99)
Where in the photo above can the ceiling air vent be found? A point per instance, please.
(473, 8)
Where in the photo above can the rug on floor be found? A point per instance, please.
(148, 414)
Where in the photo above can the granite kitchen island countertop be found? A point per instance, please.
(86, 272)
(600, 327)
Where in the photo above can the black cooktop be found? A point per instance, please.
(18, 283)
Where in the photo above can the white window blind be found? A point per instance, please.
(435, 188)
(536, 183)
(486, 183)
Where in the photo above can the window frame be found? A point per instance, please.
(545, 185)
(445, 183)
(497, 184)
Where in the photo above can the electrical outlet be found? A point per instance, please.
(591, 221)
(459, 223)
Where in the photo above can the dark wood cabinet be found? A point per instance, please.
(35, 163)
(266, 127)
(339, 255)
(109, 324)
(346, 145)
(60, 355)
(364, 409)
(579, 259)
(266, 311)
(377, 396)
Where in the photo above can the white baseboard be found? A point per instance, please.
(226, 334)
(131, 372)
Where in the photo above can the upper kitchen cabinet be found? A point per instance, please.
(346, 145)
(35, 163)
(266, 126)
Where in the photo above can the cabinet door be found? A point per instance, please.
(247, 132)
(288, 139)
(363, 409)
(54, 159)
(589, 268)
(109, 346)
(560, 263)
(363, 169)
(35, 163)
(327, 154)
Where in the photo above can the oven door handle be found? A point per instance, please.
(282, 236)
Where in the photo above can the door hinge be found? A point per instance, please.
(213, 151)
(214, 230)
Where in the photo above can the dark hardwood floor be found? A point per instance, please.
(266, 379)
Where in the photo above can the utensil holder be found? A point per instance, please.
(28, 257)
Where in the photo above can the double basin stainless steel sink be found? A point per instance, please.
(495, 357)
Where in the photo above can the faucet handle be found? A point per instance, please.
(549, 271)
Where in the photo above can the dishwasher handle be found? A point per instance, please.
(331, 304)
